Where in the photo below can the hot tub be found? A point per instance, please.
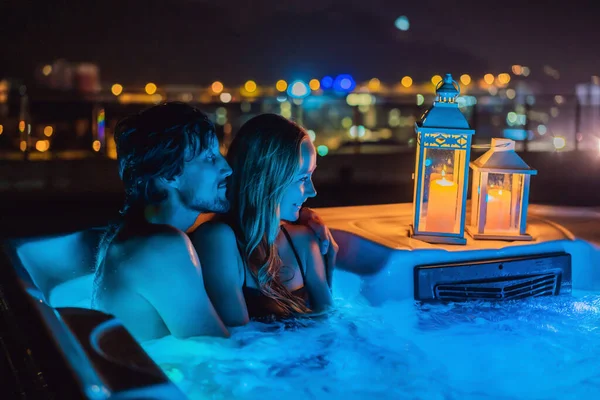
(56, 345)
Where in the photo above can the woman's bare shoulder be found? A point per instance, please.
(214, 229)
(300, 234)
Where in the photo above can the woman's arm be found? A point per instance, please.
(223, 270)
(360, 256)
(315, 272)
(329, 248)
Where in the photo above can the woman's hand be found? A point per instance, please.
(327, 244)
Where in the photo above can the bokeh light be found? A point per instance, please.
(436, 79)
(465, 79)
(216, 87)
(402, 23)
(517, 69)
(281, 85)
(42, 145)
(150, 88)
(322, 150)
(298, 89)
(504, 78)
(250, 86)
(327, 82)
(225, 97)
(559, 142)
(542, 129)
(116, 89)
(344, 83)
(374, 84)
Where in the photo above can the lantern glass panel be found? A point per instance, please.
(503, 202)
(442, 183)
(475, 194)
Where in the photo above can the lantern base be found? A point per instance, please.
(496, 236)
(435, 239)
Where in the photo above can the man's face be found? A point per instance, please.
(202, 185)
(302, 187)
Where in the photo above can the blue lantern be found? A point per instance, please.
(441, 171)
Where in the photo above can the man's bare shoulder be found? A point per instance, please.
(160, 246)
(161, 238)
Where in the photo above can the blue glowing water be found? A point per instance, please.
(543, 348)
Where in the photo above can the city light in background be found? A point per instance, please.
(150, 88)
(507, 99)
(281, 85)
(116, 89)
(402, 23)
(216, 87)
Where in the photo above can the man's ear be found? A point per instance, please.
(164, 183)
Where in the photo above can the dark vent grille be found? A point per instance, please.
(500, 288)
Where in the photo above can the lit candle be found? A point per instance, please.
(497, 217)
(441, 208)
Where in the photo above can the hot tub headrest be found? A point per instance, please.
(51, 260)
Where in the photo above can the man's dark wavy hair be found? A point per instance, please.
(154, 144)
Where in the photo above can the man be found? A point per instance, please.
(148, 274)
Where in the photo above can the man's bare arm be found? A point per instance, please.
(168, 274)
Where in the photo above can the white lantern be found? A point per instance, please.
(500, 194)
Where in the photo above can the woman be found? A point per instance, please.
(277, 270)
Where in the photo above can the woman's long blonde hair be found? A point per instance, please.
(264, 156)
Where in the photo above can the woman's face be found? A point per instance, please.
(302, 187)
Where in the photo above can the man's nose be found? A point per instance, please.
(225, 168)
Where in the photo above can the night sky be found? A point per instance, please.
(199, 41)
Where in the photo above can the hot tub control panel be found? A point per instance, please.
(494, 280)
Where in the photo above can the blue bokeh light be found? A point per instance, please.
(344, 83)
(402, 23)
(327, 82)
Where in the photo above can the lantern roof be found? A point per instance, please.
(444, 114)
(502, 158)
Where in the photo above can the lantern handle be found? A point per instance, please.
(454, 83)
(489, 146)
